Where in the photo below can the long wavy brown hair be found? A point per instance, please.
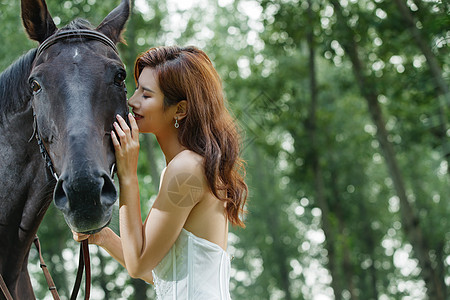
(186, 73)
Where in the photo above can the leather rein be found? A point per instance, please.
(84, 261)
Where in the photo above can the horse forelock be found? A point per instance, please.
(77, 23)
(14, 90)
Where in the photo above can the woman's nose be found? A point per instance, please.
(132, 100)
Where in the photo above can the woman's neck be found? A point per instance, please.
(170, 146)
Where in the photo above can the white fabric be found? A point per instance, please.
(193, 269)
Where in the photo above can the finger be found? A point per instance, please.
(134, 127)
(79, 236)
(123, 125)
(119, 132)
(115, 141)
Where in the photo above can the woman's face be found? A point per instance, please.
(147, 104)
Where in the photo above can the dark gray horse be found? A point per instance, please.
(66, 93)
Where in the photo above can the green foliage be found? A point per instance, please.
(261, 51)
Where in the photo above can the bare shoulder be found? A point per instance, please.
(184, 179)
(185, 160)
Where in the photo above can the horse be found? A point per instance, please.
(57, 106)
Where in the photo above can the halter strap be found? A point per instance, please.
(77, 33)
(44, 153)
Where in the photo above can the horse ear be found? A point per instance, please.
(113, 25)
(37, 20)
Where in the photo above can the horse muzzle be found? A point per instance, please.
(86, 200)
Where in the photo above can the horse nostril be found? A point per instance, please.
(85, 199)
(59, 196)
(109, 192)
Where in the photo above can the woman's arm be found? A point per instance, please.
(110, 241)
(129, 212)
(182, 186)
(113, 245)
(126, 147)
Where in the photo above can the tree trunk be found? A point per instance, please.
(347, 265)
(370, 243)
(311, 128)
(409, 219)
(436, 71)
(273, 218)
(440, 264)
(424, 47)
(281, 256)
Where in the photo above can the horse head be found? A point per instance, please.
(77, 85)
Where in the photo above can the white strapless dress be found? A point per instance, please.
(193, 269)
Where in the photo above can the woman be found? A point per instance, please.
(181, 245)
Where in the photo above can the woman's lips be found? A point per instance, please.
(137, 116)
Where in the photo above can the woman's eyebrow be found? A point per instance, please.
(148, 89)
(145, 88)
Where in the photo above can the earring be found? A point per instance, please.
(176, 123)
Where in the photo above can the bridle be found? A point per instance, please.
(84, 263)
(76, 33)
(64, 35)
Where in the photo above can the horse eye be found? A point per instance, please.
(35, 86)
(119, 78)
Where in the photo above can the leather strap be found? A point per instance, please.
(5, 289)
(48, 277)
(87, 267)
(83, 263)
(77, 33)
(77, 284)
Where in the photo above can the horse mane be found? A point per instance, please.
(14, 90)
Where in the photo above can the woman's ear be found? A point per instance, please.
(181, 111)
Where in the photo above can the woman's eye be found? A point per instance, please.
(119, 78)
(35, 86)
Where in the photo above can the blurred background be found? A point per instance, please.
(344, 111)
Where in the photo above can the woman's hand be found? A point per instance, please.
(94, 239)
(126, 145)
